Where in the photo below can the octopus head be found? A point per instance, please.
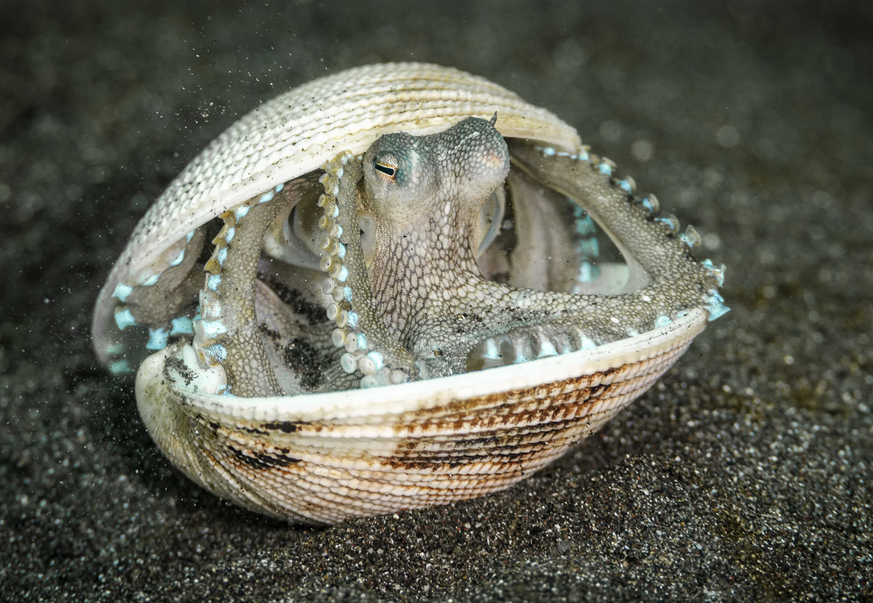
(410, 179)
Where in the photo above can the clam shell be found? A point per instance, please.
(327, 457)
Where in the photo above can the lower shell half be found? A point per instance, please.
(323, 458)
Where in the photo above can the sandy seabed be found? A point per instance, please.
(745, 474)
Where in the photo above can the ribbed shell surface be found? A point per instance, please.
(329, 457)
(297, 132)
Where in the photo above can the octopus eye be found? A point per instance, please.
(386, 167)
(388, 170)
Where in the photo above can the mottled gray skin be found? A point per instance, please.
(425, 277)
(426, 194)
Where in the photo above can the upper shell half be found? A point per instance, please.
(252, 386)
(297, 132)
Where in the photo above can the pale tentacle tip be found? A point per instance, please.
(120, 367)
(690, 238)
(157, 339)
(213, 281)
(606, 166)
(124, 318)
(148, 281)
(628, 184)
(671, 221)
(715, 306)
(662, 321)
(651, 203)
(181, 326)
(121, 292)
(717, 272)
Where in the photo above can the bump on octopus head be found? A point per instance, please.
(475, 153)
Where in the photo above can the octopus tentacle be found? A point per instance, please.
(544, 256)
(660, 261)
(664, 281)
(156, 297)
(369, 348)
(226, 334)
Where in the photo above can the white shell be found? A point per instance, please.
(299, 131)
(327, 457)
(372, 451)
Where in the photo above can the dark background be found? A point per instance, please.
(746, 474)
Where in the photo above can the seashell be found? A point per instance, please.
(390, 317)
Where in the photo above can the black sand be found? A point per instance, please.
(746, 474)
